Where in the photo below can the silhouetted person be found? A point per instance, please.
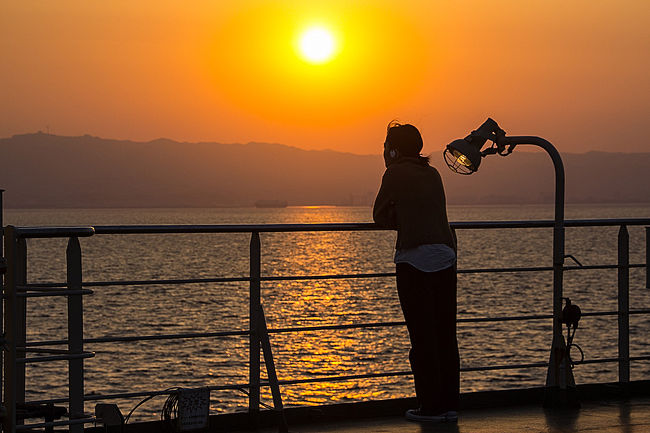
(411, 200)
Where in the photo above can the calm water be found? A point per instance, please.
(158, 309)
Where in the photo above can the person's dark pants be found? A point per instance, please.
(428, 301)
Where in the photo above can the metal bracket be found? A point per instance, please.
(570, 256)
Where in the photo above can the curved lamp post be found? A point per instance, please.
(464, 156)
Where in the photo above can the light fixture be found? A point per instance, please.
(464, 156)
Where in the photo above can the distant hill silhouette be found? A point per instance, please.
(43, 170)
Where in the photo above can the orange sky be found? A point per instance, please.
(576, 73)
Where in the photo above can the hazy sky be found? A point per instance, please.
(575, 72)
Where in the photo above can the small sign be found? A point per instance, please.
(193, 409)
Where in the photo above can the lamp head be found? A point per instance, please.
(463, 156)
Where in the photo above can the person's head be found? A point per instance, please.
(402, 141)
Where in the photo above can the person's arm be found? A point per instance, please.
(383, 212)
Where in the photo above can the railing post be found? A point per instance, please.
(10, 324)
(623, 305)
(15, 326)
(3, 269)
(75, 334)
(254, 320)
(647, 257)
(20, 279)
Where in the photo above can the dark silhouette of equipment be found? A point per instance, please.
(571, 314)
(571, 317)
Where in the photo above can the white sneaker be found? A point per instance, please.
(421, 416)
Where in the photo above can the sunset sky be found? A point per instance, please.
(576, 72)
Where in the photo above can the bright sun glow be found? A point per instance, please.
(317, 45)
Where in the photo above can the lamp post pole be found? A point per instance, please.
(559, 378)
(464, 156)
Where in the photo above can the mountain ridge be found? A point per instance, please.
(46, 170)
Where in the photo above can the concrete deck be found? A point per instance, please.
(596, 416)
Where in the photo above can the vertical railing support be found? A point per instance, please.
(254, 323)
(15, 326)
(20, 279)
(75, 334)
(3, 269)
(10, 324)
(647, 257)
(623, 305)
(2, 208)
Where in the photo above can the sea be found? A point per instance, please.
(210, 307)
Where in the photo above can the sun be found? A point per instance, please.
(317, 45)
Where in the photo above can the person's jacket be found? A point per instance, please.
(411, 200)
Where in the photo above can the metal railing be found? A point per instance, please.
(17, 291)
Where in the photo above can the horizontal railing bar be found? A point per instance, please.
(46, 286)
(645, 311)
(54, 232)
(66, 357)
(247, 228)
(614, 313)
(498, 270)
(597, 361)
(463, 369)
(461, 320)
(392, 274)
(234, 228)
(53, 293)
(22, 427)
(460, 271)
(96, 397)
(326, 379)
(313, 328)
(39, 350)
(169, 281)
(51, 285)
(586, 267)
(599, 313)
(505, 367)
(142, 338)
(41, 287)
(401, 373)
(605, 360)
(402, 323)
(326, 327)
(602, 222)
(166, 337)
(504, 318)
(328, 277)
